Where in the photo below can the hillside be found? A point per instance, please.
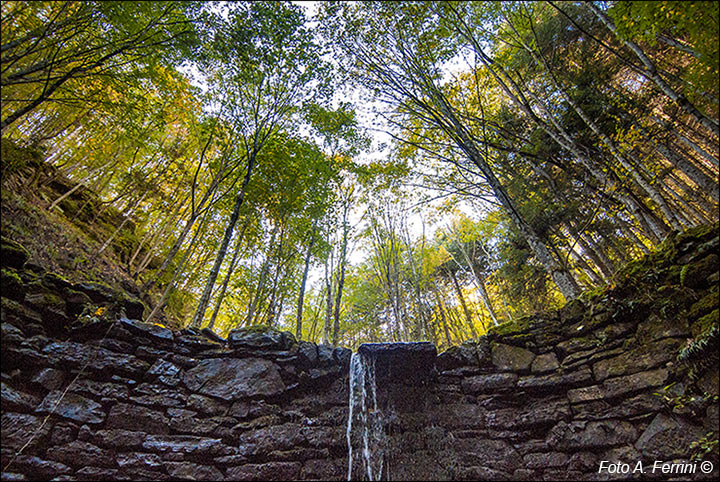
(64, 239)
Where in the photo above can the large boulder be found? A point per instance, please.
(261, 337)
(511, 358)
(668, 437)
(586, 435)
(151, 330)
(235, 378)
(124, 416)
(13, 399)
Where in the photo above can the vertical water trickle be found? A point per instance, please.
(365, 417)
(356, 375)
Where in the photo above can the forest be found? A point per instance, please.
(358, 171)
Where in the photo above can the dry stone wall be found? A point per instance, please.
(90, 394)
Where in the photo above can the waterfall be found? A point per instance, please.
(367, 418)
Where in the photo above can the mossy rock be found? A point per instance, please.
(706, 304)
(667, 252)
(97, 291)
(125, 243)
(593, 295)
(77, 301)
(262, 337)
(46, 301)
(56, 281)
(705, 324)
(69, 206)
(672, 299)
(702, 233)
(672, 274)
(12, 285)
(572, 311)
(13, 254)
(133, 307)
(631, 273)
(696, 275)
(514, 327)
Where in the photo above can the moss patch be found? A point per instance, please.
(513, 327)
(705, 324)
(12, 285)
(706, 304)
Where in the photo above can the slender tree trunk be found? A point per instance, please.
(638, 242)
(328, 304)
(707, 185)
(639, 178)
(712, 159)
(461, 298)
(155, 238)
(301, 294)
(80, 184)
(341, 273)
(181, 266)
(228, 275)
(486, 299)
(561, 137)
(480, 286)
(276, 279)
(126, 218)
(261, 279)
(443, 321)
(205, 298)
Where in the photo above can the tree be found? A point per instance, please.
(259, 89)
(81, 44)
(407, 72)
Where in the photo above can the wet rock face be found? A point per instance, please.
(408, 362)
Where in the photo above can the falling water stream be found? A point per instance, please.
(402, 370)
(365, 418)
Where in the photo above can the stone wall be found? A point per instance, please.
(609, 377)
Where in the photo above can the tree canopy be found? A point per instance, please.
(375, 171)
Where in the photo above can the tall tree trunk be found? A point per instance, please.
(480, 286)
(328, 303)
(126, 218)
(179, 269)
(228, 275)
(205, 298)
(461, 298)
(156, 238)
(560, 274)
(341, 273)
(261, 279)
(707, 185)
(301, 294)
(655, 227)
(634, 173)
(443, 321)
